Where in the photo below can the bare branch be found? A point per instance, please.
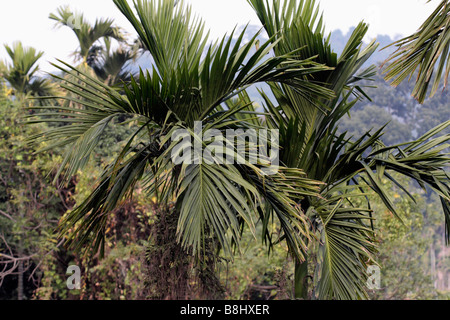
(10, 262)
(7, 215)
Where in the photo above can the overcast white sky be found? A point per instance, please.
(27, 20)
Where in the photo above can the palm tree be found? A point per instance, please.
(189, 83)
(89, 35)
(21, 72)
(427, 52)
(95, 46)
(348, 166)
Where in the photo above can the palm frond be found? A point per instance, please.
(170, 33)
(427, 52)
(85, 125)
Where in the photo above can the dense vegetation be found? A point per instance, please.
(99, 194)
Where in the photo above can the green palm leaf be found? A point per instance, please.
(345, 248)
(425, 51)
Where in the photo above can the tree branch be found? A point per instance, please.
(7, 215)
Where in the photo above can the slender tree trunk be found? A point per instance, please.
(20, 273)
(433, 265)
(300, 280)
(20, 282)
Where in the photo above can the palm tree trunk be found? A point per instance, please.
(300, 280)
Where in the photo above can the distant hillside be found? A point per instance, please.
(338, 41)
